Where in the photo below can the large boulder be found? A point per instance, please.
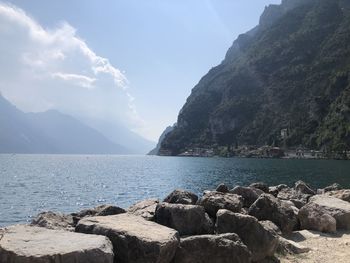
(249, 194)
(101, 210)
(146, 209)
(225, 248)
(179, 196)
(259, 240)
(335, 207)
(186, 219)
(30, 244)
(52, 220)
(340, 194)
(135, 240)
(314, 217)
(261, 186)
(267, 207)
(214, 201)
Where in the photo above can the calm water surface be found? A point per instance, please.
(33, 183)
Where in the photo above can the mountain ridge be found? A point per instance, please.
(49, 132)
(291, 72)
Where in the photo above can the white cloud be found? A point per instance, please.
(54, 68)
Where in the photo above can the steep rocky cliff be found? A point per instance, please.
(289, 73)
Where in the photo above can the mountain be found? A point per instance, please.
(119, 134)
(155, 151)
(284, 82)
(49, 132)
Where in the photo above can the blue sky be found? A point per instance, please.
(161, 47)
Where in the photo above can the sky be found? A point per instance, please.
(130, 61)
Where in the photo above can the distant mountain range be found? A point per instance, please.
(285, 82)
(54, 132)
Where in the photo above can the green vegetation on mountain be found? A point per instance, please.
(289, 73)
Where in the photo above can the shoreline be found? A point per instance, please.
(183, 220)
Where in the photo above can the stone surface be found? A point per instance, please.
(53, 220)
(262, 186)
(213, 201)
(332, 187)
(222, 188)
(30, 244)
(186, 219)
(271, 226)
(249, 194)
(335, 207)
(102, 210)
(340, 194)
(289, 194)
(286, 246)
(314, 217)
(225, 248)
(135, 240)
(302, 188)
(179, 196)
(267, 207)
(146, 209)
(259, 240)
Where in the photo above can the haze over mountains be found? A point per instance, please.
(54, 132)
(290, 73)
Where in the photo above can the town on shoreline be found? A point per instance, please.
(262, 152)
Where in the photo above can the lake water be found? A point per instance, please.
(30, 184)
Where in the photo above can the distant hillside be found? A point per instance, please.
(290, 73)
(155, 151)
(49, 132)
(120, 135)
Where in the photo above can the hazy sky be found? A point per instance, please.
(135, 61)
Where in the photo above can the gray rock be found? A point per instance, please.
(302, 188)
(146, 209)
(249, 195)
(340, 194)
(314, 217)
(335, 207)
(299, 199)
(186, 219)
(53, 220)
(260, 241)
(222, 188)
(261, 186)
(30, 244)
(135, 240)
(179, 196)
(333, 187)
(102, 210)
(274, 190)
(271, 226)
(213, 201)
(225, 248)
(267, 207)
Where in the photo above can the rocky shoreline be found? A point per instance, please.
(244, 224)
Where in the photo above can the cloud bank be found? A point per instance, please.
(53, 68)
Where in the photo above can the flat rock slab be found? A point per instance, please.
(134, 238)
(30, 244)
